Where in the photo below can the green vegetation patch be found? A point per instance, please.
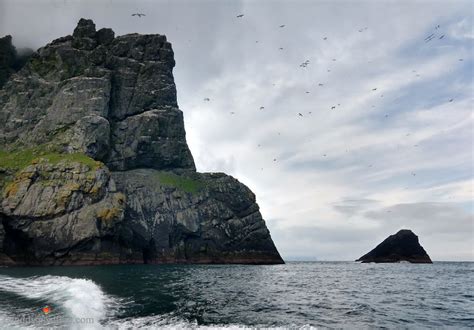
(43, 65)
(19, 159)
(184, 183)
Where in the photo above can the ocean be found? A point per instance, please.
(297, 294)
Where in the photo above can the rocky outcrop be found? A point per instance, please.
(95, 168)
(402, 246)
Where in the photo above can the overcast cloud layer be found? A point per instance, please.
(395, 152)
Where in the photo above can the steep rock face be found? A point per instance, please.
(402, 246)
(113, 99)
(95, 168)
(52, 210)
(202, 218)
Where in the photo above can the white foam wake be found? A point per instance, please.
(81, 299)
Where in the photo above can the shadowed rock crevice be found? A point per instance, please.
(95, 168)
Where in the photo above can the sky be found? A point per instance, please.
(372, 135)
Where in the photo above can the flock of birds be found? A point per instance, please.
(437, 34)
(307, 62)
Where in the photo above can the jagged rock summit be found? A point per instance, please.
(95, 168)
(402, 246)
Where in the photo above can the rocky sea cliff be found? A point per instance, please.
(95, 168)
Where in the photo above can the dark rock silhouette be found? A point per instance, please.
(11, 59)
(402, 246)
(95, 167)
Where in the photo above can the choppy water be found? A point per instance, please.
(298, 294)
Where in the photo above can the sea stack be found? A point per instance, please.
(402, 246)
(95, 167)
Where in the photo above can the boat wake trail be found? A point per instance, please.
(76, 303)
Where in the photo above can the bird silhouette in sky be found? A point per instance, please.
(240, 16)
(206, 99)
(430, 37)
(282, 26)
(138, 15)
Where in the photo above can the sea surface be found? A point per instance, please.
(298, 294)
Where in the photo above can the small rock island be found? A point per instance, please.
(95, 167)
(402, 246)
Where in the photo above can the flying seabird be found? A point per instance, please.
(261, 108)
(138, 14)
(299, 114)
(320, 84)
(333, 107)
(451, 100)
(325, 38)
(240, 16)
(429, 38)
(374, 89)
(206, 99)
(282, 26)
